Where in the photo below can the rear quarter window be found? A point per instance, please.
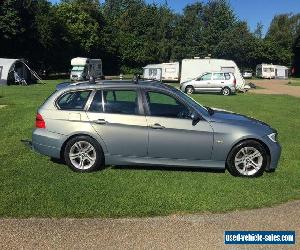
(73, 100)
(227, 76)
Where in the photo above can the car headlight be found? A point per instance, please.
(273, 137)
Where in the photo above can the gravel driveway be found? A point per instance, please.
(277, 87)
(204, 231)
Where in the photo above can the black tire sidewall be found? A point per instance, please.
(249, 143)
(226, 88)
(99, 153)
(189, 87)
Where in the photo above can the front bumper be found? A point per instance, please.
(275, 153)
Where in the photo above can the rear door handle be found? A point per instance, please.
(157, 126)
(100, 121)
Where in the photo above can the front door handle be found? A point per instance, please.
(157, 126)
(100, 121)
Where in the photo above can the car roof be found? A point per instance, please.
(112, 83)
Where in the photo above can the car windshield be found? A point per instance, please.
(190, 101)
(78, 68)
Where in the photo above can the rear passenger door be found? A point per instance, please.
(117, 116)
(218, 81)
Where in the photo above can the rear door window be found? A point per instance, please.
(218, 76)
(121, 102)
(73, 100)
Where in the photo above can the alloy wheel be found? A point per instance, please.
(82, 155)
(248, 161)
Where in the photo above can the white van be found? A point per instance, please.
(83, 68)
(162, 72)
(193, 68)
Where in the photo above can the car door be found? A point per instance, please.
(171, 132)
(218, 81)
(203, 83)
(117, 117)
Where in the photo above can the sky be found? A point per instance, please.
(252, 11)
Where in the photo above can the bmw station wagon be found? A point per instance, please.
(123, 123)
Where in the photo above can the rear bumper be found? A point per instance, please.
(47, 143)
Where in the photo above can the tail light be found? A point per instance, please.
(39, 121)
(234, 82)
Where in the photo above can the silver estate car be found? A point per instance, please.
(220, 82)
(149, 123)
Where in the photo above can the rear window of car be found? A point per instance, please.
(73, 100)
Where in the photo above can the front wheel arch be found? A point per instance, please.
(250, 139)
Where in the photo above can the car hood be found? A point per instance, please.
(221, 115)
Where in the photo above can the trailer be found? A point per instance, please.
(83, 68)
(164, 71)
(266, 71)
(192, 68)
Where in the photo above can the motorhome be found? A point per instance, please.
(193, 68)
(83, 68)
(163, 72)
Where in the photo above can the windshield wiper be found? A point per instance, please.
(210, 110)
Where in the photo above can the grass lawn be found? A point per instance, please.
(32, 185)
(294, 82)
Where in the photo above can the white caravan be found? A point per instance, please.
(163, 71)
(271, 71)
(265, 71)
(84, 68)
(193, 68)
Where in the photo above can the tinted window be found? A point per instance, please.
(218, 76)
(96, 105)
(227, 76)
(120, 102)
(167, 106)
(73, 100)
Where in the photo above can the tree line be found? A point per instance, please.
(128, 34)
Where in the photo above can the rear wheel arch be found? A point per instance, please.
(63, 147)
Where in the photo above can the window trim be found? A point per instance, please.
(73, 91)
(147, 109)
(138, 94)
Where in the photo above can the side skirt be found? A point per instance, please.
(146, 161)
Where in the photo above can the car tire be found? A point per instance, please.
(189, 89)
(226, 91)
(83, 154)
(247, 159)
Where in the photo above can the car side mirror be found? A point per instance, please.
(195, 118)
